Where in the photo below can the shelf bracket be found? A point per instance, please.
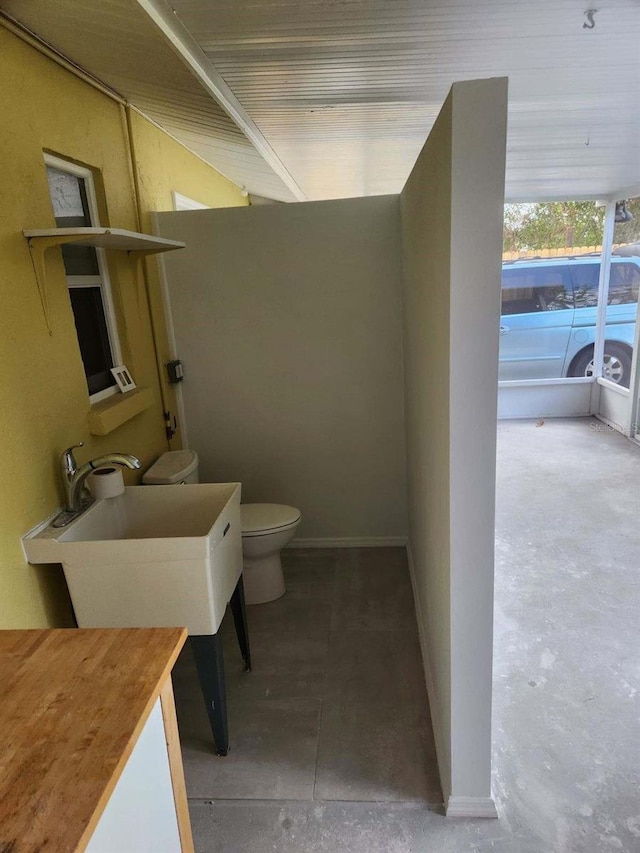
(132, 242)
(37, 249)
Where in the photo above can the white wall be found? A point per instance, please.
(288, 320)
(452, 240)
(615, 407)
(426, 232)
(545, 398)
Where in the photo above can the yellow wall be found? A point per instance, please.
(43, 396)
(161, 165)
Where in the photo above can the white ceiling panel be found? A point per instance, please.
(115, 41)
(346, 91)
(343, 93)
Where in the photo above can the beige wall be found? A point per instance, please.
(288, 320)
(452, 241)
(477, 207)
(44, 405)
(426, 251)
(161, 165)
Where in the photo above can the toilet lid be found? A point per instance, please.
(258, 519)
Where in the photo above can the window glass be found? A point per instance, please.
(68, 197)
(624, 279)
(623, 283)
(71, 210)
(622, 295)
(526, 290)
(93, 337)
(585, 284)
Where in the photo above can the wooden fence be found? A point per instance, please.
(552, 253)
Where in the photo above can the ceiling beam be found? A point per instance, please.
(205, 71)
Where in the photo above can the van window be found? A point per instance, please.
(585, 285)
(623, 284)
(526, 290)
(624, 280)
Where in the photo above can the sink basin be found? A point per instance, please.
(153, 556)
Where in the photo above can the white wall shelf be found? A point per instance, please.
(135, 244)
(102, 238)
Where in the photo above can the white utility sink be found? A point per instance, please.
(153, 556)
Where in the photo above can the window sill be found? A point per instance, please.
(111, 413)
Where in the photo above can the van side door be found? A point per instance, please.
(622, 300)
(536, 321)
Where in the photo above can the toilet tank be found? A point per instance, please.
(173, 467)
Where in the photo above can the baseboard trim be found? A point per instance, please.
(479, 807)
(441, 753)
(483, 807)
(351, 542)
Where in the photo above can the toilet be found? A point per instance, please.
(266, 528)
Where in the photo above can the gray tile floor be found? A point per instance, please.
(331, 749)
(335, 709)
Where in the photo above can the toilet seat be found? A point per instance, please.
(263, 519)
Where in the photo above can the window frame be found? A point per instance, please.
(102, 280)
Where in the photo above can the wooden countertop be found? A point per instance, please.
(72, 704)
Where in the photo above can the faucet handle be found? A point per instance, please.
(67, 458)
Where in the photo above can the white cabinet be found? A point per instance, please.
(141, 812)
(89, 742)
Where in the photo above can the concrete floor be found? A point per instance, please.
(567, 636)
(331, 749)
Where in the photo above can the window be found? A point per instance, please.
(624, 279)
(527, 290)
(585, 284)
(74, 204)
(183, 202)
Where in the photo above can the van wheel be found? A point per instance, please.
(616, 365)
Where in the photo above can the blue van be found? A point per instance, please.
(548, 322)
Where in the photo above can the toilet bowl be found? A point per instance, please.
(266, 528)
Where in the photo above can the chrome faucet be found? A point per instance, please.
(74, 478)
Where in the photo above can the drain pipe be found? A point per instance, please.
(170, 422)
